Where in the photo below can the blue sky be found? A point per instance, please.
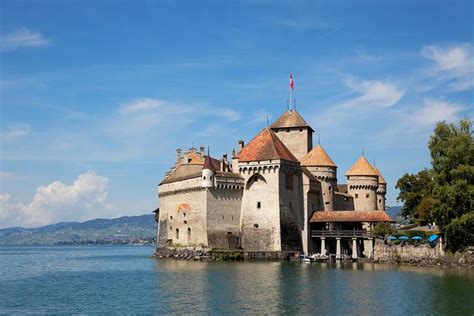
(97, 95)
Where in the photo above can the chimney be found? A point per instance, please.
(178, 155)
(241, 145)
(186, 157)
(201, 150)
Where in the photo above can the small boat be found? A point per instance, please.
(306, 260)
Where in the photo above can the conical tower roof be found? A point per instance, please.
(290, 118)
(266, 146)
(317, 157)
(381, 178)
(208, 163)
(362, 167)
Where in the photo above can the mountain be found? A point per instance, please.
(122, 230)
(394, 211)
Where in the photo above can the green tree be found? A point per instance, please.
(445, 194)
(415, 193)
(382, 229)
(452, 157)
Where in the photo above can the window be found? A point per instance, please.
(255, 225)
(184, 214)
(357, 195)
(204, 177)
(171, 217)
(222, 216)
(185, 222)
(189, 232)
(380, 201)
(345, 198)
(290, 206)
(330, 188)
(289, 181)
(259, 204)
(301, 129)
(177, 233)
(366, 196)
(326, 203)
(171, 228)
(288, 130)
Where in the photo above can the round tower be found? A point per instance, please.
(362, 184)
(318, 162)
(208, 173)
(381, 191)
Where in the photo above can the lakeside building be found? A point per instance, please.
(276, 195)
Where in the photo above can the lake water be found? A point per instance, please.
(124, 280)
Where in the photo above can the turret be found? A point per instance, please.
(362, 184)
(208, 173)
(318, 162)
(381, 191)
(294, 132)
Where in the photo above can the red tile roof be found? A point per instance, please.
(362, 167)
(266, 146)
(318, 157)
(350, 216)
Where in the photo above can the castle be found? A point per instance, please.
(277, 195)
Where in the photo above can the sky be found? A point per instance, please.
(96, 96)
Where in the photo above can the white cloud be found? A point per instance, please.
(15, 132)
(454, 66)
(82, 200)
(371, 98)
(22, 38)
(412, 126)
(141, 104)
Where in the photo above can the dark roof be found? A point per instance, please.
(350, 216)
(183, 172)
(208, 163)
(290, 118)
(266, 146)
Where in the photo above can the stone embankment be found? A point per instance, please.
(420, 255)
(192, 254)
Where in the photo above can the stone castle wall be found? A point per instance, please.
(183, 213)
(223, 217)
(260, 221)
(298, 140)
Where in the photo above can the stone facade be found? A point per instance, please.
(261, 202)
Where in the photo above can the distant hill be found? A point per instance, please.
(394, 211)
(122, 230)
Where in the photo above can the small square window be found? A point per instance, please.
(185, 222)
(171, 228)
(366, 196)
(184, 214)
(356, 196)
(259, 204)
(171, 217)
(255, 225)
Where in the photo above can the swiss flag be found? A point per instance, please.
(292, 83)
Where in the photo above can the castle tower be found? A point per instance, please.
(272, 202)
(381, 191)
(318, 162)
(294, 132)
(362, 184)
(207, 173)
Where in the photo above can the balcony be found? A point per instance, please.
(341, 233)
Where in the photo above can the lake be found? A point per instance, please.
(123, 279)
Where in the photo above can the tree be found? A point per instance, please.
(415, 189)
(382, 229)
(452, 157)
(445, 193)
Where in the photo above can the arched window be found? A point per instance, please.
(189, 232)
(177, 233)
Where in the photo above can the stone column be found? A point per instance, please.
(323, 245)
(338, 248)
(354, 248)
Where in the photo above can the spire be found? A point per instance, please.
(208, 163)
